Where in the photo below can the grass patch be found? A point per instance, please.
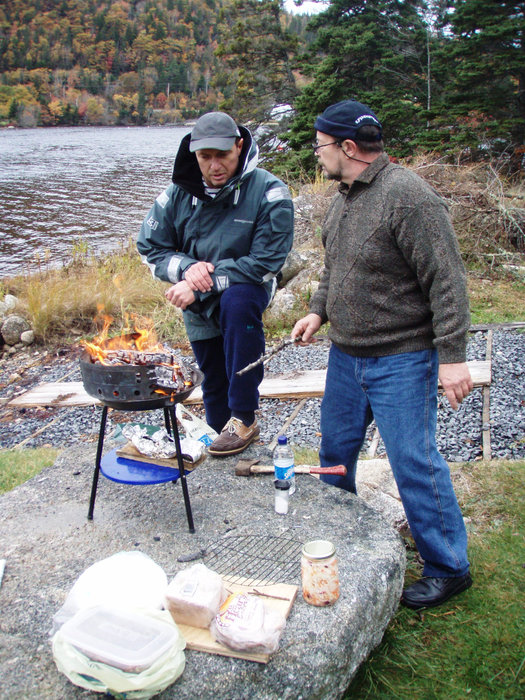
(473, 645)
(17, 466)
(496, 301)
(61, 304)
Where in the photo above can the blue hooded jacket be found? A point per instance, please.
(246, 231)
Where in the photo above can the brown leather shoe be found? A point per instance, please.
(235, 437)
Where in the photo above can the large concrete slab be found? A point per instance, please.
(47, 543)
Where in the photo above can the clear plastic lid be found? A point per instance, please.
(121, 638)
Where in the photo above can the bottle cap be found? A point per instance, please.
(282, 484)
(282, 440)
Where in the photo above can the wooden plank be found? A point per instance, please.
(130, 451)
(485, 418)
(201, 640)
(294, 385)
(55, 394)
(511, 325)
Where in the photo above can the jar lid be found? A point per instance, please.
(318, 549)
(282, 484)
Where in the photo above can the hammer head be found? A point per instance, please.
(244, 467)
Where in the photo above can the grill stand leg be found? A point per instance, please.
(94, 485)
(170, 413)
(170, 420)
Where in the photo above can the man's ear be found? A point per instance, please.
(349, 147)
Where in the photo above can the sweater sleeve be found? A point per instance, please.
(428, 242)
(319, 298)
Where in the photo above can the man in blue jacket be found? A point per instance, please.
(220, 235)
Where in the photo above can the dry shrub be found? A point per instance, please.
(65, 301)
(311, 205)
(487, 210)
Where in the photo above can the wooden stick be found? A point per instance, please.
(254, 591)
(37, 432)
(263, 359)
(287, 423)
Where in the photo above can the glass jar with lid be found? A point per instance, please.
(319, 573)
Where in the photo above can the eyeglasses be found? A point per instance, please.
(317, 146)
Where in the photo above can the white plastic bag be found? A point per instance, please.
(195, 596)
(194, 427)
(245, 623)
(103, 678)
(125, 579)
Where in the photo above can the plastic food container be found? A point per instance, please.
(124, 639)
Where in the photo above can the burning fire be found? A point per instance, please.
(133, 338)
(138, 345)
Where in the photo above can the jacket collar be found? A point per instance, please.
(187, 174)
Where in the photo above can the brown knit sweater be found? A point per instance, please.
(393, 279)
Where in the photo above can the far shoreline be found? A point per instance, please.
(188, 124)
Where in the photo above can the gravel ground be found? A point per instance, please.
(459, 433)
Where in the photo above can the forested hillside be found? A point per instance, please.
(104, 62)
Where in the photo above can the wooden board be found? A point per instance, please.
(201, 640)
(55, 394)
(130, 451)
(295, 385)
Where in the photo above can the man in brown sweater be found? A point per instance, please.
(393, 288)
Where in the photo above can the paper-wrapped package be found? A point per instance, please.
(195, 596)
(245, 623)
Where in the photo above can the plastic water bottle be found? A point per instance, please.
(283, 462)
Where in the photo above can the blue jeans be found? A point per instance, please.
(240, 343)
(400, 393)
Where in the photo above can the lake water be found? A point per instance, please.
(62, 184)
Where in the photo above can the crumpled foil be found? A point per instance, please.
(160, 444)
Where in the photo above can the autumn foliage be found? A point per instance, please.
(105, 62)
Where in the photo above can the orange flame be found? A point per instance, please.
(138, 335)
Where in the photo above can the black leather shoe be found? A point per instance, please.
(429, 592)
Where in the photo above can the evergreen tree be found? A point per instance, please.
(373, 51)
(483, 62)
(12, 114)
(257, 50)
(141, 106)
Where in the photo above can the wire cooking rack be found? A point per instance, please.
(260, 559)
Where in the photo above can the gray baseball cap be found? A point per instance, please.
(214, 130)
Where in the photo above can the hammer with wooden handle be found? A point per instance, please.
(245, 467)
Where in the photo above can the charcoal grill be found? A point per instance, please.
(138, 388)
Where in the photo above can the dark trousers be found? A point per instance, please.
(240, 343)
